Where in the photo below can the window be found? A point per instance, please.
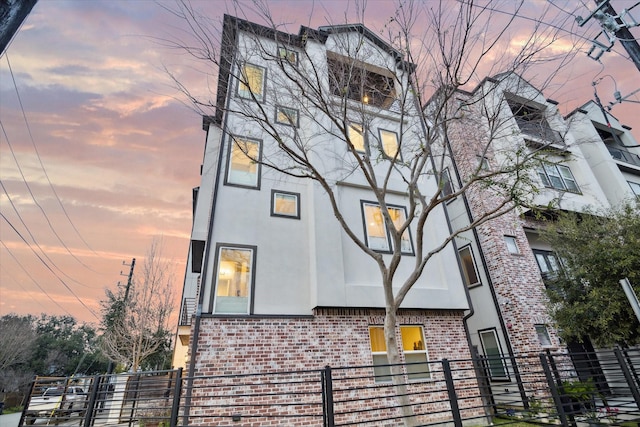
(446, 186)
(532, 121)
(356, 136)
(558, 177)
(285, 204)
(389, 142)
(483, 163)
(287, 116)
(288, 55)
(252, 82)
(493, 353)
(244, 162)
(543, 335)
(413, 348)
(234, 280)
(469, 270)
(377, 235)
(635, 187)
(359, 81)
(547, 262)
(512, 244)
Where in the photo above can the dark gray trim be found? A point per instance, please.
(228, 163)
(297, 122)
(502, 357)
(390, 243)
(289, 193)
(214, 279)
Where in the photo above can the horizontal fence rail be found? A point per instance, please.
(577, 389)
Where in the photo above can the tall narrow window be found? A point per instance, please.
(446, 186)
(512, 245)
(413, 348)
(635, 187)
(493, 353)
(356, 136)
(469, 269)
(543, 335)
(389, 142)
(244, 162)
(378, 237)
(233, 280)
(252, 82)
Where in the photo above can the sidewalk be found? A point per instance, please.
(10, 420)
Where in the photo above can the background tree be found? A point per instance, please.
(136, 332)
(17, 344)
(596, 249)
(443, 47)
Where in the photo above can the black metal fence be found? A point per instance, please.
(601, 387)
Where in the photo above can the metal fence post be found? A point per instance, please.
(327, 397)
(451, 390)
(89, 410)
(557, 399)
(173, 422)
(627, 375)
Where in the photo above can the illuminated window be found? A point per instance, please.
(252, 82)
(493, 353)
(287, 116)
(233, 280)
(288, 55)
(469, 270)
(377, 235)
(356, 136)
(244, 162)
(285, 204)
(389, 142)
(413, 348)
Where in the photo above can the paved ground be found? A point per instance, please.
(10, 420)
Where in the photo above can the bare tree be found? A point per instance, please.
(18, 337)
(431, 56)
(140, 326)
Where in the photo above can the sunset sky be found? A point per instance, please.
(98, 155)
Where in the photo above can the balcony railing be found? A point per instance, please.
(539, 129)
(623, 155)
(188, 309)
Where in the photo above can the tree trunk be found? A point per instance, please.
(397, 374)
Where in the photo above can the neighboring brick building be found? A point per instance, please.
(273, 281)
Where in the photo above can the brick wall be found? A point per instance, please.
(335, 337)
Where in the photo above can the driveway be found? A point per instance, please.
(10, 420)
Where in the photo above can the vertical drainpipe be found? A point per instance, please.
(206, 255)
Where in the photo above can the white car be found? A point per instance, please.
(55, 402)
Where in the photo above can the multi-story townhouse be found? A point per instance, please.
(610, 150)
(504, 261)
(273, 280)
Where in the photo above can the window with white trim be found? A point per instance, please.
(558, 177)
(493, 353)
(389, 143)
(287, 116)
(377, 236)
(285, 204)
(635, 187)
(413, 348)
(244, 162)
(356, 136)
(469, 270)
(512, 245)
(251, 83)
(234, 277)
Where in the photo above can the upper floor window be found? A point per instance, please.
(356, 136)
(543, 335)
(285, 204)
(413, 348)
(377, 235)
(512, 245)
(469, 270)
(558, 177)
(252, 82)
(287, 116)
(234, 280)
(244, 162)
(389, 142)
(532, 121)
(547, 262)
(446, 185)
(291, 56)
(635, 187)
(359, 81)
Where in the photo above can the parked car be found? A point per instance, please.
(55, 402)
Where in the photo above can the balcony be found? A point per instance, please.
(187, 310)
(540, 130)
(622, 155)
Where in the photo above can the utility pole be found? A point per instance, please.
(126, 291)
(616, 27)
